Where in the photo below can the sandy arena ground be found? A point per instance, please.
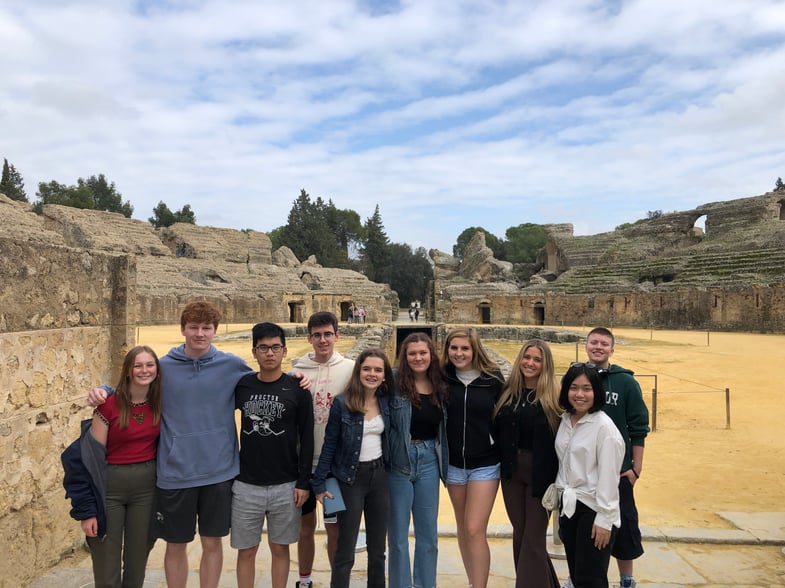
(694, 466)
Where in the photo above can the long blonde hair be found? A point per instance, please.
(481, 361)
(547, 391)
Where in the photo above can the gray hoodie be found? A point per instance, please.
(198, 443)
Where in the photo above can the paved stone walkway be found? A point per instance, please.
(748, 556)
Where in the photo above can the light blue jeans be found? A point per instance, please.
(417, 498)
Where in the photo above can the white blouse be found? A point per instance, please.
(590, 457)
(371, 447)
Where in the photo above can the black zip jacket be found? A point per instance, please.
(470, 420)
(545, 464)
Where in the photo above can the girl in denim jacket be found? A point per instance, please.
(418, 461)
(354, 453)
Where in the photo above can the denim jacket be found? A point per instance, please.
(400, 437)
(342, 441)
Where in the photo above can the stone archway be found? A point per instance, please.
(485, 312)
(296, 312)
(539, 313)
(699, 226)
(346, 311)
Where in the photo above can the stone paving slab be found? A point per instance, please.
(765, 526)
(718, 536)
(664, 565)
(751, 555)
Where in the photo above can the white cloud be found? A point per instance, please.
(444, 113)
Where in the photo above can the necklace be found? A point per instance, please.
(531, 393)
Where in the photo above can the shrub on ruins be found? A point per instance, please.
(164, 217)
(93, 193)
(11, 183)
(779, 186)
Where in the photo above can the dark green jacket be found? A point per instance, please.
(624, 404)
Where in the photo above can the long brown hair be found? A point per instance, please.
(480, 359)
(123, 387)
(355, 393)
(547, 390)
(405, 377)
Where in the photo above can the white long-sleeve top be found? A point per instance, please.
(590, 457)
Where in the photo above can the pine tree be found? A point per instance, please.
(376, 250)
(316, 227)
(11, 183)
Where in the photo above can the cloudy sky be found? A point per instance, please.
(445, 113)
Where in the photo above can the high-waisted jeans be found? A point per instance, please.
(416, 498)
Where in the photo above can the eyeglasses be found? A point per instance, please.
(326, 336)
(265, 348)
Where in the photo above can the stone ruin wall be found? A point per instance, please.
(661, 272)
(73, 285)
(756, 308)
(236, 270)
(64, 325)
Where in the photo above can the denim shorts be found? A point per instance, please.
(461, 477)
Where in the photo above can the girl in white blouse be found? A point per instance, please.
(590, 451)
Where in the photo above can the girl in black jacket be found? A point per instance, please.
(474, 383)
(526, 421)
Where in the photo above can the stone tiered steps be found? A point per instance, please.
(588, 251)
(705, 269)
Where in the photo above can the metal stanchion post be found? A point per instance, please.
(555, 546)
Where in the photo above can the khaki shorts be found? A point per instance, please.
(251, 505)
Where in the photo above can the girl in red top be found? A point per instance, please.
(128, 424)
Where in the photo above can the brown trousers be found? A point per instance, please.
(533, 567)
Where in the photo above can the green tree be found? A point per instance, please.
(345, 225)
(11, 183)
(316, 227)
(94, 193)
(185, 215)
(56, 193)
(105, 195)
(306, 229)
(410, 272)
(164, 217)
(652, 214)
(376, 259)
(523, 242)
(276, 238)
(779, 186)
(491, 240)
